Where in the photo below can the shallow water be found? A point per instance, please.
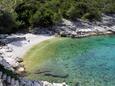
(87, 62)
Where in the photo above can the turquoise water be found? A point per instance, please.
(87, 61)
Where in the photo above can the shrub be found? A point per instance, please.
(25, 11)
(7, 23)
(37, 14)
(45, 17)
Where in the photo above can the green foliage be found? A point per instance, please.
(37, 14)
(7, 22)
(26, 13)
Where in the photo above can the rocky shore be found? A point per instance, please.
(13, 47)
(80, 28)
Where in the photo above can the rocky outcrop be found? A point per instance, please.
(6, 40)
(6, 80)
(5, 64)
(80, 28)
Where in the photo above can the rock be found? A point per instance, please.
(77, 84)
(36, 83)
(19, 59)
(1, 83)
(2, 43)
(60, 75)
(0, 75)
(20, 70)
(60, 84)
(0, 47)
(4, 77)
(17, 83)
(8, 79)
(1, 59)
(45, 83)
(64, 34)
(41, 71)
(15, 65)
(9, 49)
(12, 82)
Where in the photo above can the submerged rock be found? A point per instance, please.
(60, 75)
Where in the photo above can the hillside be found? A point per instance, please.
(21, 14)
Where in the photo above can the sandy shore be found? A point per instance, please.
(19, 48)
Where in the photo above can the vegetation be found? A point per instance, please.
(8, 72)
(31, 13)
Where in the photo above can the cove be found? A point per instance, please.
(78, 62)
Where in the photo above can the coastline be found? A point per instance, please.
(17, 49)
(14, 51)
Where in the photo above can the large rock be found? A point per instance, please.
(19, 59)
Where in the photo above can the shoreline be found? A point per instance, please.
(14, 51)
(10, 54)
(17, 49)
(84, 33)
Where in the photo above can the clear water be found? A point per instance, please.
(88, 61)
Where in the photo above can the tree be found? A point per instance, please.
(7, 24)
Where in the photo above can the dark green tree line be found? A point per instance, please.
(44, 13)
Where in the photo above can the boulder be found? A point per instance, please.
(20, 70)
(19, 59)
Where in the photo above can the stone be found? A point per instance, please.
(1, 59)
(12, 82)
(1, 75)
(56, 75)
(8, 79)
(36, 83)
(77, 84)
(17, 83)
(19, 60)
(29, 83)
(1, 83)
(45, 83)
(20, 70)
(60, 84)
(15, 65)
(4, 77)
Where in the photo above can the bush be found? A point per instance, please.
(7, 22)
(45, 17)
(26, 13)
(37, 14)
(85, 9)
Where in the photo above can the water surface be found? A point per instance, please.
(86, 62)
